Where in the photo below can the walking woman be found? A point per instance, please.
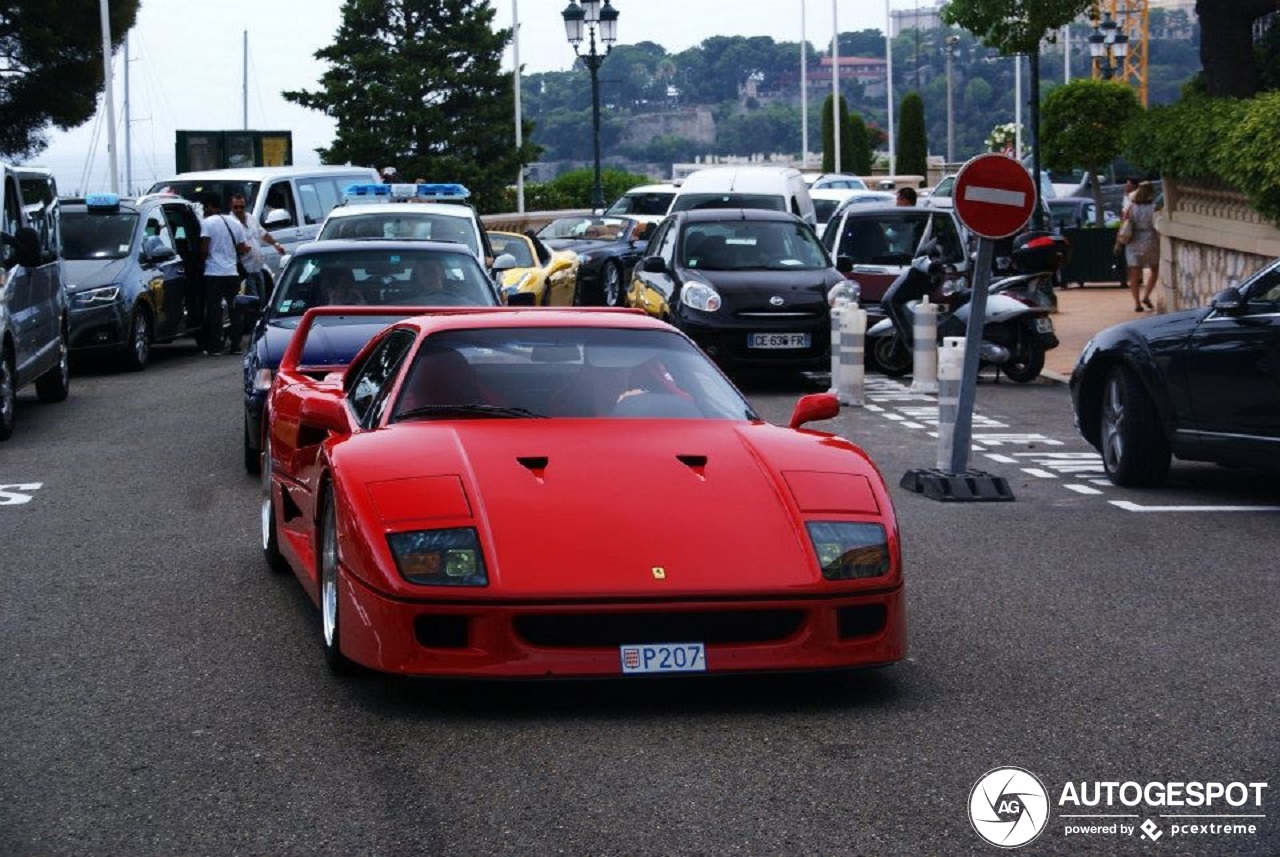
(1143, 248)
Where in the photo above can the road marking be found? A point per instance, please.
(1082, 489)
(1043, 474)
(16, 494)
(1136, 507)
(995, 196)
(1001, 459)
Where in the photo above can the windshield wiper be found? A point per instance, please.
(470, 409)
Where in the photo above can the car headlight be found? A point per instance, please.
(584, 258)
(849, 290)
(96, 297)
(848, 550)
(440, 557)
(700, 296)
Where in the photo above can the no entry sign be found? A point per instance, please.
(994, 196)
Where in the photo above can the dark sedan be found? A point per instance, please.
(133, 273)
(403, 276)
(607, 247)
(1202, 385)
(749, 286)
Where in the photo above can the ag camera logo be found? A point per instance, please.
(1009, 807)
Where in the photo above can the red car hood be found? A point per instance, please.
(634, 508)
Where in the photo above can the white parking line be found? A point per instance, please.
(1082, 489)
(16, 494)
(1135, 507)
(1043, 474)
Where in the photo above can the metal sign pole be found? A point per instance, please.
(972, 352)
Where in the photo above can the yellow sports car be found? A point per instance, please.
(550, 275)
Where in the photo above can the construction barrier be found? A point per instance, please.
(924, 348)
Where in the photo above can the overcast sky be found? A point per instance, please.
(185, 69)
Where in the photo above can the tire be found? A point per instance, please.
(252, 457)
(1134, 451)
(611, 290)
(137, 352)
(270, 542)
(8, 395)
(330, 577)
(1029, 362)
(54, 385)
(890, 355)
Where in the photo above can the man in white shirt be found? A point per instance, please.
(222, 242)
(252, 262)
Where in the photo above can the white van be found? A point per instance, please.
(775, 188)
(290, 202)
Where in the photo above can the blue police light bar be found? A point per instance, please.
(102, 200)
(404, 192)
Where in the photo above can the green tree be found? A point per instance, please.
(51, 72)
(1084, 124)
(913, 143)
(1013, 26)
(410, 82)
(1226, 45)
(856, 153)
(573, 189)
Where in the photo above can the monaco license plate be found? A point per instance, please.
(663, 658)
(1044, 325)
(778, 340)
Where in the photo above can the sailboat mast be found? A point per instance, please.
(128, 128)
(244, 75)
(110, 101)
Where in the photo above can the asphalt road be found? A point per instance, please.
(162, 693)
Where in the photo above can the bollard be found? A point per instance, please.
(852, 371)
(837, 309)
(924, 350)
(950, 374)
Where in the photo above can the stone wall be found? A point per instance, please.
(1209, 239)
(695, 124)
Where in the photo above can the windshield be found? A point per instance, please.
(588, 228)
(893, 239)
(515, 247)
(653, 203)
(565, 372)
(399, 277)
(193, 190)
(88, 235)
(738, 245)
(402, 225)
(690, 201)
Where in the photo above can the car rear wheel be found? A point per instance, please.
(270, 543)
(1133, 447)
(330, 581)
(891, 355)
(611, 285)
(8, 396)
(137, 352)
(54, 385)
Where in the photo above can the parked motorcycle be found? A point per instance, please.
(1015, 334)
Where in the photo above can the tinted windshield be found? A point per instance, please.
(690, 201)
(397, 277)
(734, 245)
(88, 235)
(824, 208)
(893, 238)
(193, 190)
(642, 203)
(565, 372)
(588, 228)
(403, 225)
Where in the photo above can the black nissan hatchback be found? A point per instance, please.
(747, 285)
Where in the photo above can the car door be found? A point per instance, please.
(1233, 365)
(165, 278)
(278, 196)
(653, 291)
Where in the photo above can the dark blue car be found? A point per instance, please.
(403, 276)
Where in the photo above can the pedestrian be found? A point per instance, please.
(906, 197)
(1130, 185)
(255, 237)
(222, 241)
(1142, 250)
(390, 175)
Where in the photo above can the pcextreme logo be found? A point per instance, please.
(1009, 807)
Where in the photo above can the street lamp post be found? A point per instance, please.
(949, 48)
(1108, 47)
(592, 16)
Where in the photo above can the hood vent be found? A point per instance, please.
(535, 464)
(696, 463)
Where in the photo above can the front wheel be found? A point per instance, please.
(611, 285)
(891, 355)
(270, 540)
(137, 352)
(1025, 366)
(330, 585)
(1134, 450)
(54, 385)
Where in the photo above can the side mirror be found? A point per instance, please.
(278, 218)
(654, 265)
(321, 414)
(521, 299)
(26, 242)
(154, 250)
(248, 303)
(1229, 301)
(844, 264)
(818, 406)
(504, 262)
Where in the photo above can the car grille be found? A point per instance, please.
(577, 630)
(861, 621)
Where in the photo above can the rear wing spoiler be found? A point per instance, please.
(292, 357)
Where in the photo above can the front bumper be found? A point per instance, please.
(98, 328)
(516, 639)
(725, 340)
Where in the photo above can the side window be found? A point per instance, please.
(795, 206)
(40, 199)
(280, 197)
(949, 240)
(183, 228)
(157, 226)
(367, 388)
(1264, 294)
(311, 199)
(12, 220)
(666, 242)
